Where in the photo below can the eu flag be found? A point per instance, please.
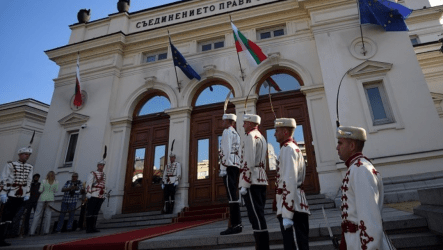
(180, 62)
(391, 16)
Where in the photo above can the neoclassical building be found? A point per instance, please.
(137, 106)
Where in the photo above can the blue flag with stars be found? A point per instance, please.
(180, 62)
(391, 16)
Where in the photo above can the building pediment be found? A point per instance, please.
(370, 67)
(73, 120)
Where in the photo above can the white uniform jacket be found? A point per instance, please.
(229, 149)
(96, 184)
(172, 173)
(253, 160)
(362, 203)
(16, 179)
(291, 172)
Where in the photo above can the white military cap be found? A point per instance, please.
(285, 122)
(25, 150)
(251, 118)
(171, 155)
(102, 162)
(230, 117)
(349, 132)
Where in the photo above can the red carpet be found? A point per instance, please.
(212, 212)
(128, 240)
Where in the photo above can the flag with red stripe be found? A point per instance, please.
(78, 94)
(252, 51)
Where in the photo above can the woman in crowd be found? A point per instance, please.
(47, 189)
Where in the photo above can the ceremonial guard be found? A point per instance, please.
(292, 206)
(362, 195)
(229, 170)
(170, 181)
(253, 178)
(15, 187)
(96, 194)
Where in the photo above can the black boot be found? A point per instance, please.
(94, 224)
(261, 240)
(233, 230)
(3, 229)
(166, 208)
(89, 226)
(171, 207)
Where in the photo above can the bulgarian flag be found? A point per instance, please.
(252, 52)
(78, 94)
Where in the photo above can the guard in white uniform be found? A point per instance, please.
(96, 194)
(15, 188)
(292, 206)
(229, 170)
(170, 181)
(253, 178)
(362, 195)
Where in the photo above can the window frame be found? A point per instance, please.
(416, 38)
(211, 42)
(156, 54)
(385, 102)
(271, 30)
(69, 137)
(381, 78)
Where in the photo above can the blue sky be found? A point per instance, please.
(29, 28)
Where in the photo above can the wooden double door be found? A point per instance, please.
(206, 188)
(147, 157)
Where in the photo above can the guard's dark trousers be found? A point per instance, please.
(93, 207)
(255, 201)
(11, 208)
(231, 183)
(301, 225)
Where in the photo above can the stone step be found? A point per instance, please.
(316, 202)
(404, 188)
(401, 226)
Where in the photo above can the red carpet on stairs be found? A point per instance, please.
(211, 212)
(128, 240)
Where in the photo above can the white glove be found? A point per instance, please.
(25, 198)
(222, 173)
(4, 198)
(88, 195)
(163, 186)
(287, 223)
(243, 191)
(175, 184)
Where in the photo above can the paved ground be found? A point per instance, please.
(405, 206)
(206, 233)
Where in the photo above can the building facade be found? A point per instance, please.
(125, 64)
(18, 121)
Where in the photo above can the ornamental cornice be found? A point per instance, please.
(73, 120)
(88, 49)
(423, 15)
(122, 121)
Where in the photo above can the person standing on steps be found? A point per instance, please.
(292, 206)
(253, 178)
(96, 194)
(15, 185)
(229, 170)
(170, 181)
(48, 188)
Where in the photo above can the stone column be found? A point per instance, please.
(179, 130)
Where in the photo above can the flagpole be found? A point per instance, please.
(238, 57)
(175, 68)
(361, 28)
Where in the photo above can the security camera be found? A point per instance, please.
(84, 126)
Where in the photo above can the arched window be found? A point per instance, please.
(285, 81)
(154, 105)
(218, 94)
